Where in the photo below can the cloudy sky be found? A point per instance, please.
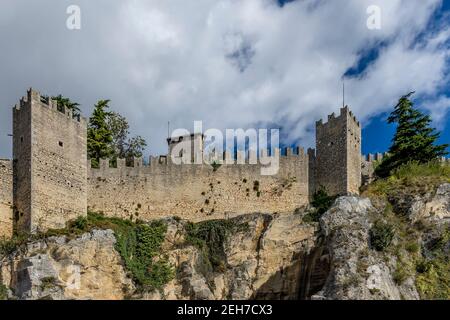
(229, 63)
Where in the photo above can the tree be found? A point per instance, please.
(65, 103)
(414, 140)
(123, 146)
(99, 136)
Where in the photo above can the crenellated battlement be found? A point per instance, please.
(163, 164)
(344, 115)
(35, 99)
(374, 157)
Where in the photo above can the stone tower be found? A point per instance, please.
(49, 165)
(338, 157)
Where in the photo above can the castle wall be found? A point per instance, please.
(197, 192)
(6, 198)
(54, 185)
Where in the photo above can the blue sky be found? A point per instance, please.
(230, 63)
(377, 134)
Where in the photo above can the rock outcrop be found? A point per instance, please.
(57, 268)
(276, 256)
(262, 262)
(357, 272)
(434, 207)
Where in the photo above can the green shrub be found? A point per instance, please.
(401, 273)
(322, 201)
(209, 237)
(8, 246)
(381, 235)
(3, 292)
(433, 279)
(215, 165)
(412, 247)
(81, 223)
(140, 248)
(48, 283)
(312, 216)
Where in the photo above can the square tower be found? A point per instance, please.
(338, 158)
(49, 166)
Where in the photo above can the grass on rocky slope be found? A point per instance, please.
(138, 243)
(3, 292)
(410, 180)
(428, 262)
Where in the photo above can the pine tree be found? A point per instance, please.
(99, 137)
(415, 139)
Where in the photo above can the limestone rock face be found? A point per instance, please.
(436, 208)
(84, 268)
(357, 272)
(262, 262)
(276, 256)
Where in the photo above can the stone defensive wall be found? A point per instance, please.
(6, 198)
(198, 192)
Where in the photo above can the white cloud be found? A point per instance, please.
(230, 63)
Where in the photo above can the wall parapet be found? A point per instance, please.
(374, 157)
(48, 102)
(345, 112)
(228, 159)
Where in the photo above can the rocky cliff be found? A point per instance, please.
(359, 249)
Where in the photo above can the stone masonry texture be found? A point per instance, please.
(49, 181)
(50, 173)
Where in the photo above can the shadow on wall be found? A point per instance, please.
(302, 279)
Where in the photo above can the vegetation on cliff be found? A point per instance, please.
(209, 237)
(3, 292)
(421, 248)
(414, 140)
(321, 202)
(138, 243)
